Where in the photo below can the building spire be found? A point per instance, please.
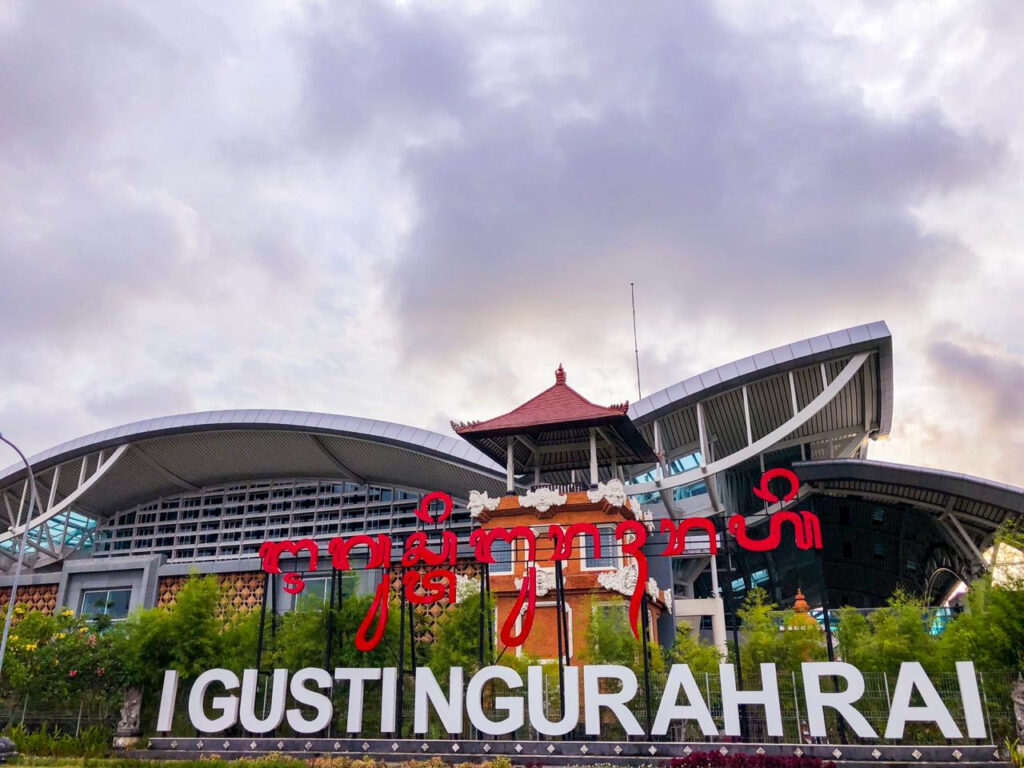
(560, 375)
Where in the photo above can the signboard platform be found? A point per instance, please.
(561, 752)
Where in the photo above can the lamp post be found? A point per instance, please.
(33, 502)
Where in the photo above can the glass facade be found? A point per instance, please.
(112, 603)
(232, 521)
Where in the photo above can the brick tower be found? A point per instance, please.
(563, 457)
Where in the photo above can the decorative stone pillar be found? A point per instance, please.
(1018, 707)
(129, 725)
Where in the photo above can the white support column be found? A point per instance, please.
(796, 410)
(81, 472)
(746, 416)
(659, 472)
(53, 487)
(593, 456)
(702, 436)
(718, 635)
(510, 464)
(864, 384)
(951, 515)
(21, 504)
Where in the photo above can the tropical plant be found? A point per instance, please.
(771, 637)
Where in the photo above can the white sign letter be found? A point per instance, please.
(912, 675)
(768, 697)
(167, 698)
(696, 708)
(535, 698)
(841, 701)
(511, 704)
(319, 702)
(247, 705)
(971, 698)
(448, 710)
(594, 699)
(356, 677)
(388, 695)
(226, 704)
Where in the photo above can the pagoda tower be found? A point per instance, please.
(564, 457)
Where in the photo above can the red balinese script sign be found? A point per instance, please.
(434, 580)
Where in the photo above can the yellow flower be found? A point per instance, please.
(61, 635)
(83, 630)
(14, 638)
(19, 610)
(67, 613)
(31, 646)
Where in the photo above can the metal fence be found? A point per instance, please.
(71, 719)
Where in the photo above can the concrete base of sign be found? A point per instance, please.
(8, 750)
(563, 752)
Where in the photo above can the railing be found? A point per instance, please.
(562, 487)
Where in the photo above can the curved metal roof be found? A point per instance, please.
(980, 501)
(827, 393)
(970, 509)
(411, 438)
(107, 471)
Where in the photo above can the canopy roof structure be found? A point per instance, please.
(968, 510)
(88, 479)
(551, 433)
(828, 395)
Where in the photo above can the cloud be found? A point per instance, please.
(972, 417)
(688, 156)
(416, 212)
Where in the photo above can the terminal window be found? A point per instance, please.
(608, 557)
(105, 602)
(501, 552)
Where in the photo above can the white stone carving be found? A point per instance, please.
(465, 586)
(542, 499)
(478, 502)
(644, 516)
(623, 581)
(652, 591)
(545, 581)
(614, 492)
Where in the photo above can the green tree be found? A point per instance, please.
(688, 649)
(770, 635)
(610, 641)
(990, 632)
(457, 638)
(900, 631)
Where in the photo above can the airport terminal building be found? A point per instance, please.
(127, 513)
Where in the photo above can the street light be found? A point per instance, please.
(33, 502)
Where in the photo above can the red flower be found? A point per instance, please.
(73, 672)
(100, 671)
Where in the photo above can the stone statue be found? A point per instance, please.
(1018, 707)
(129, 724)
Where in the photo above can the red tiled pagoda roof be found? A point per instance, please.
(558, 404)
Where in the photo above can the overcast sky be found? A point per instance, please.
(416, 211)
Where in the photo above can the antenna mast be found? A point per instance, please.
(636, 348)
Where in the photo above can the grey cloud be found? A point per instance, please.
(678, 151)
(989, 382)
(983, 421)
(380, 66)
